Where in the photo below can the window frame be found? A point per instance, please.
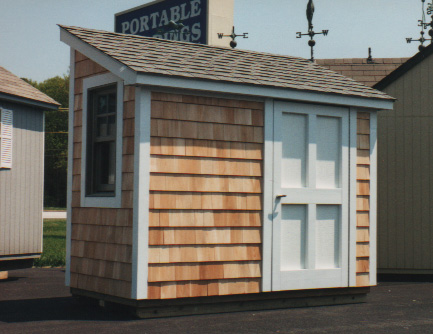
(102, 200)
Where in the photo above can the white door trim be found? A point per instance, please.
(352, 196)
(268, 201)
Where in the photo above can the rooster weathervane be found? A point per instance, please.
(311, 33)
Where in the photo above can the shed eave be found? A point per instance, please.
(33, 103)
(262, 91)
(114, 66)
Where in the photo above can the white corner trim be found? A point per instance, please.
(42, 186)
(103, 202)
(256, 90)
(352, 195)
(373, 198)
(114, 66)
(268, 199)
(70, 167)
(140, 246)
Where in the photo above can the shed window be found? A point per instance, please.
(6, 130)
(101, 143)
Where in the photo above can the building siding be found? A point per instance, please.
(405, 187)
(205, 196)
(363, 200)
(21, 187)
(101, 248)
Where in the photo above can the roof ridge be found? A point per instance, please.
(186, 43)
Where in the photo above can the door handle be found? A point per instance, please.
(280, 196)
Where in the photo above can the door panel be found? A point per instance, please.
(294, 157)
(328, 152)
(293, 237)
(310, 226)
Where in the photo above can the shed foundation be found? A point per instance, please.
(233, 303)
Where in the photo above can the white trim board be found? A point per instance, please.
(266, 92)
(70, 167)
(373, 198)
(268, 200)
(140, 246)
(103, 202)
(132, 77)
(352, 195)
(42, 186)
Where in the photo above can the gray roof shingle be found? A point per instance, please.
(181, 59)
(12, 85)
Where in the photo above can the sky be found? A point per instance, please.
(30, 45)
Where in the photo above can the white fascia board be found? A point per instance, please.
(267, 92)
(114, 66)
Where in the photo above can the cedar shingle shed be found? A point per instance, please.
(21, 170)
(199, 171)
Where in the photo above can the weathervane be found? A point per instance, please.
(233, 36)
(370, 58)
(423, 24)
(311, 33)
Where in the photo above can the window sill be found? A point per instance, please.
(99, 201)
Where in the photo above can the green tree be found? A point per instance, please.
(56, 140)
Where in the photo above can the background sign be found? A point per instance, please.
(152, 20)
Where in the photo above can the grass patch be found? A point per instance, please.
(54, 208)
(54, 251)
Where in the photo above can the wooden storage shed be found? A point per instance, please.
(21, 170)
(199, 171)
(405, 187)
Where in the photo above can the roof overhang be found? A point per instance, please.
(131, 77)
(29, 102)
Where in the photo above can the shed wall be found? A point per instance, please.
(101, 248)
(363, 200)
(205, 196)
(405, 188)
(21, 187)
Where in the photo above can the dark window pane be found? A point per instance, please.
(102, 104)
(101, 144)
(111, 125)
(105, 166)
(101, 126)
(112, 103)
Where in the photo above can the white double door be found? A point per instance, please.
(311, 216)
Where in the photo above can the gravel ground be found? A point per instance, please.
(36, 301)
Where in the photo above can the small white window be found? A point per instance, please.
(6, 130)
(101, 163)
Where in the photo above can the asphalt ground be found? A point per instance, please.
(36, 301)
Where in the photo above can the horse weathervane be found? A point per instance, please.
(311, 33)
(423, 24)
